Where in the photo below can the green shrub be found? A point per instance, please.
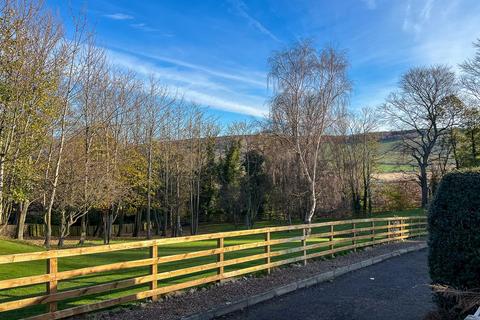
(399, 196)
(454, 240)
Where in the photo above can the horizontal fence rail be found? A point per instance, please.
(84, 279)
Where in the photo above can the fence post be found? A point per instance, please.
(304, 245)
(407, 228)
(373, 232)
(52, 268)
(154, 269)
(388, 231)
(402, 228)
(267, 251)
(220, 256)
(354, 242)
(331, 241)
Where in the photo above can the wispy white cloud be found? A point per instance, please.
(427, 8)
(445, 32)
(138, 25)
(143, 27)
(225, 104)
(448, 45)
(255, 78)
(417, 16)
(119, 16)
(242, 10)
(441, 33)
(195, 86)
(171, 75)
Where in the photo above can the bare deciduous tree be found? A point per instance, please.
(424, 106)
(158, 101)
(308, 87)
(471, 75)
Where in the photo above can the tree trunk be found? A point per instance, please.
(366, 187)
(61, 242)
(165, 223)
(83, 229)
(63, 230)
(192, 214)
(474, 148)
(112, 215)
(313, 204)
(48, 214)
(105, 227)
(138, 223)
(424, 186)
(453, 140)
(97, 232)
(172, 222)
(369, 201)
(86, 179)
(158, 222)
(2, 177)
(149, 187)
(110, 226)
(120, 223)
(21, 219)
(197, 204)
(17, 215)
(179, 231)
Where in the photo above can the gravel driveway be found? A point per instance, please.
(394, 289)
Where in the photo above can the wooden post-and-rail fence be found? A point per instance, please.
(209, 258)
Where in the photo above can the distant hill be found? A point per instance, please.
(392, 160)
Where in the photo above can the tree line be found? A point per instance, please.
(84, 142)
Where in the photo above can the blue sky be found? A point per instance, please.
(216, 52)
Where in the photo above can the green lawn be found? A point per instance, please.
(8, 271)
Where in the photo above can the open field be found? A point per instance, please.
(391, 158)
(38, 267)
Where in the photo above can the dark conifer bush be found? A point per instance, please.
(454, 234)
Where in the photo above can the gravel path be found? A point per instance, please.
(393, 289)
(192, 301)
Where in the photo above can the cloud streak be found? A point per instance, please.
(143, 27)
(415, 18)
(437, 33)
(119, 16)
(194, 86)
(447, 38)
(242, 10)
(250, 77)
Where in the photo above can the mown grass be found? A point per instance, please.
(23, 269)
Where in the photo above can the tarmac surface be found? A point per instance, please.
(397, 288)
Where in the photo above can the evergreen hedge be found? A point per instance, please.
(454, 234)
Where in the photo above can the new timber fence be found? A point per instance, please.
(62, 283)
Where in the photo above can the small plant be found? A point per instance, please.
(466, 300)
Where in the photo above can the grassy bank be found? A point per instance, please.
(15, 270)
